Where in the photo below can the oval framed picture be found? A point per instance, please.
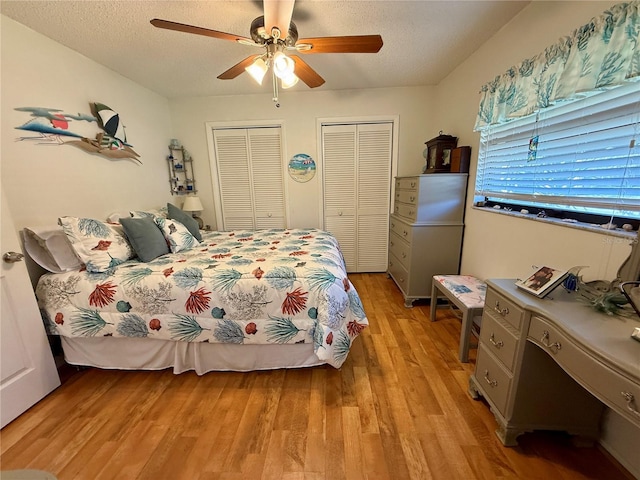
(302, 167)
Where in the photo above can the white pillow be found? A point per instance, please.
(153, 213)
(99, 245)
(177, 235)
(49, 248)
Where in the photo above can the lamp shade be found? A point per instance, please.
(192, 204)
(257, 70)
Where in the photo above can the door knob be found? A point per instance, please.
(12, 257)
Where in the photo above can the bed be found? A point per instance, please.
(241, 300)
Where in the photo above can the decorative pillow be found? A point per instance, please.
(184, 218)
(154, 212)
(49, 248)
(177, 235)
(99, 245)
(145, 237)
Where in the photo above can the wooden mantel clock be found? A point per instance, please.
(439, 153)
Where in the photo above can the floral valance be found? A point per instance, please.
(601, 54)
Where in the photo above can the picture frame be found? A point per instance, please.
(541, 280)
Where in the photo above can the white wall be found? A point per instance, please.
(299, 112)
(501, 246)
(43, 182)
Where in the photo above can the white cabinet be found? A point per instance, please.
(248, 178)
(356, 191)
(425, 231)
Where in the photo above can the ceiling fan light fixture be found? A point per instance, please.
(283, 66)
(257, 70)
(289, 81)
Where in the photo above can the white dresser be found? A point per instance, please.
(425, 231)
(553, 363)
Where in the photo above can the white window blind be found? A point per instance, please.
(587, 157)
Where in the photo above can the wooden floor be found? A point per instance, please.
(398, 409)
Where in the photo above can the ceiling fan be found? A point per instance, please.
(276, 33)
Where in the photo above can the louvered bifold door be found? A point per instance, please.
(267, 173)
(234, 178)
(339, 185)
(374, 143)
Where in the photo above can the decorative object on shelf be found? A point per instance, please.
(460, 159)
(181, 177)
(52, 126)
(193, 204)
(302, 167)
(542, 280)
(439, 153)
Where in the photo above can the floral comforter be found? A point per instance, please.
(243, 287)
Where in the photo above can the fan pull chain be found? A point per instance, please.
(275, 87)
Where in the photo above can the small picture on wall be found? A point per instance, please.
(541, 281)
(302, 167)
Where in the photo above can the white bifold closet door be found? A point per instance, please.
(357, 191)
(249, 174)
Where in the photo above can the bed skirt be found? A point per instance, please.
(201, 357)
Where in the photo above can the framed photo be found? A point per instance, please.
(541, 281)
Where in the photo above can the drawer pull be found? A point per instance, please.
(411, 212)
(504, 311)
(498, 344)
(628, 397)
(555, 347)
(405, 233)
(492, 383)
(404, 255)
(391, 243)
(413, 184)
(412, 199)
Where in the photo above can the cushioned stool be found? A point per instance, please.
(465, 292)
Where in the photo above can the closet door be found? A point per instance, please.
(339, 180)
(356, 181)
(249, 178)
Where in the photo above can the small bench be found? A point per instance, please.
(465, 292)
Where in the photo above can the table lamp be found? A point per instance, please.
(193, 205)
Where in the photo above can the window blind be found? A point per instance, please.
(581, 156)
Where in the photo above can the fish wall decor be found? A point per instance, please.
(53, 127)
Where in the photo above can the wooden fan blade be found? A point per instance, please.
(277, 13)
(238, 68)
(305, 73)
(181, 27)
(346, 44)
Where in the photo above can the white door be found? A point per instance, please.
(28, 371)
(356, 166)
(248, 178)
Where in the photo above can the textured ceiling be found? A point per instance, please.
(423, 40)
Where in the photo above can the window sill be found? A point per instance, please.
(590, 227)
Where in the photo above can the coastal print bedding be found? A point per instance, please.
(241, 287)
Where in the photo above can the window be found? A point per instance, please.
(581, 156)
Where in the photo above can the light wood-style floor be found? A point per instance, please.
(398, 409)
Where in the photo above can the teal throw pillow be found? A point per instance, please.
(145, 237)
(174, 213)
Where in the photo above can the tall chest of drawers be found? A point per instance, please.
(425, 231)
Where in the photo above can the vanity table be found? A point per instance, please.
(553, 363)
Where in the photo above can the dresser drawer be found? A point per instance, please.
(504, 309)
(407, 196)
(498, 340)
(407, 183)
(620, 393)
(406, 210)
(493, 378)
(399, 273)
(400, 249)
(401, 229)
